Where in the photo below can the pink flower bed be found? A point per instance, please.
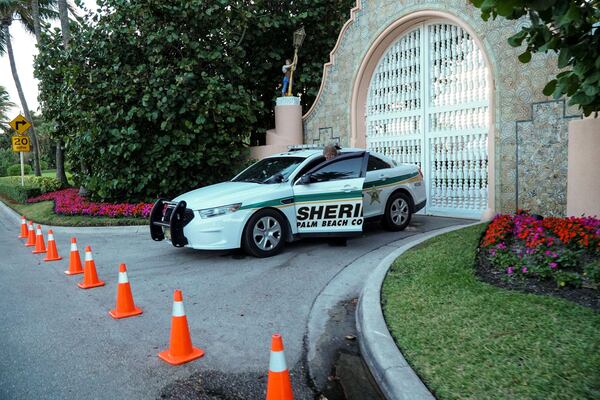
(68, 202)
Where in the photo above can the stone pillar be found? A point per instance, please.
(288, 122)
(288, 129)
(583, 175)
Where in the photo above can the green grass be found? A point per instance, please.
(43, 213)
(470, 340)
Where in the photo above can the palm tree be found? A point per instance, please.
(5, 106)
(64, 25)
(21, 10)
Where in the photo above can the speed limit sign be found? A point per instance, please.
(21, 143)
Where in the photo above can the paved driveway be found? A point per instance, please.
(59, 342)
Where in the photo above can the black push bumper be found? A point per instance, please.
(173, 216)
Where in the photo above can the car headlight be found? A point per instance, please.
(216, 211)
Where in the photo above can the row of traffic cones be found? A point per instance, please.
(37, 240)
(180, 349)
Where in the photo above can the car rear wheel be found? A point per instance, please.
(398, 212)
(264, 234)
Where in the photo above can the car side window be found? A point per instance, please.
(376, 164)
(347, 168)
(310, 166)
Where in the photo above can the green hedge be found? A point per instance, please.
(15, 170)
(10, 187)
(18, 193)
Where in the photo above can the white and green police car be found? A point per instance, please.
(292, 195)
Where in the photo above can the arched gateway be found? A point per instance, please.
(430, 82)
(428, 103)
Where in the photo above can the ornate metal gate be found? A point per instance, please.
(428, 104)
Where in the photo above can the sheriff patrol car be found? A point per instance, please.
(292, 195)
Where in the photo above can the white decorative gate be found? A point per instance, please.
(428, 104)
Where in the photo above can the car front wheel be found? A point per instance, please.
(264, 235)
(398, 212)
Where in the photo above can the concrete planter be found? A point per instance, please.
(583, 179)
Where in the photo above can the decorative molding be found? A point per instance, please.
(288, 101)
(323, 133)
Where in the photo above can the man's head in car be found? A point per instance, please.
(330, 151)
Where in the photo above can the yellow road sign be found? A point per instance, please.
(20, 124)
(21, 144)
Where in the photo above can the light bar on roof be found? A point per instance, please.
(305, 146)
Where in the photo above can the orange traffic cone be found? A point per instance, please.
(40, 246)
(74, 260)
(180, 347)
(279, 386)
(90, 276)
(30, 235)
(52, 254)
(23, 234)
(125, 305)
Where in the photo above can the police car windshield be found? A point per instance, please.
(270, 170)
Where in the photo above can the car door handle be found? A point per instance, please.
(348, 188)
(383, 177)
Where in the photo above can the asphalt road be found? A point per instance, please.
(59, 342)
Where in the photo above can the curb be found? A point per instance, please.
(392, 373)
(13, 215)
(347, 283)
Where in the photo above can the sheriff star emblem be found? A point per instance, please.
(374, 194)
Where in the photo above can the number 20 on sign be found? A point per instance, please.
(21, 144)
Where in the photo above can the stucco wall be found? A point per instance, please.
(516, 86)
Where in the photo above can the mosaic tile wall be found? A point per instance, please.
(542, 159)
(516, 86)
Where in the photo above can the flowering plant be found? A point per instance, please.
(566, 250)
(69, 202)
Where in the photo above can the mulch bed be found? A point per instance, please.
(582, 296)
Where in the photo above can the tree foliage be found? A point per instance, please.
(268, 42)
(154, 98)
(571, 28)
(151, 96)
(5, 106)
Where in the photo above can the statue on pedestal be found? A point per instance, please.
(290, 66)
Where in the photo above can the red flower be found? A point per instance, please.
(69, 202)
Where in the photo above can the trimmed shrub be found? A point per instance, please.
(7, 158)
(15, 170)
(18, 193)
(45, 183)
(10, 187)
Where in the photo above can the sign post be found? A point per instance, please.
(22, 168)
(20, 142)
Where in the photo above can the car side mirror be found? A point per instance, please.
(306, 179)
(277, 178)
